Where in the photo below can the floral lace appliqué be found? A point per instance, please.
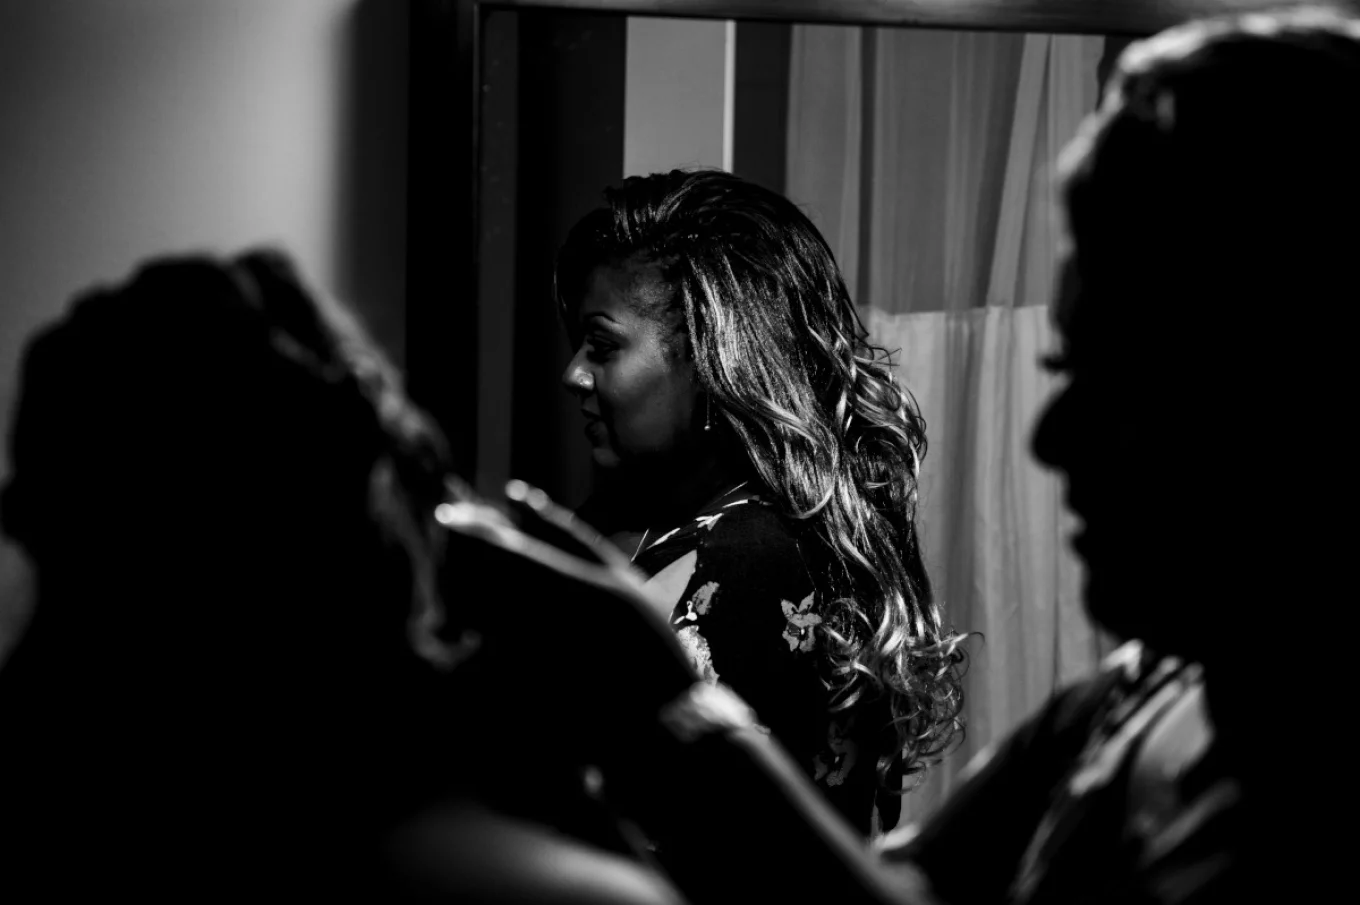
(696, 648)
(835, 763)
(799, 631)
(698, 604)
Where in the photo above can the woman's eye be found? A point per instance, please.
(598, 351)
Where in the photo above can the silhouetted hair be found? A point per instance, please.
(232, 446)
(759, 304)
(1224, 151)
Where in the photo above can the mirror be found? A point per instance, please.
(919, 137)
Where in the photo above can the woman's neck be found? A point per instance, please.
(664, 497)
(686, 493)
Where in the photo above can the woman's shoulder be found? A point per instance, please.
(743, 528)
(752, 543)
(752, 522)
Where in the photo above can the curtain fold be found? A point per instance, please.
(824, 126)
(925, 158)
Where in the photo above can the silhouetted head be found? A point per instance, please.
(221, 488)
(1205, 316)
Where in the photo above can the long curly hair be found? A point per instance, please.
(761, 309)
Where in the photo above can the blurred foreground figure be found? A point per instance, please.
(1204, 322)
(239, 677)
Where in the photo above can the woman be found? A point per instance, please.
(239, 678)
(758, 447)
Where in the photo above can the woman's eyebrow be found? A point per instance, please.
(600, 319)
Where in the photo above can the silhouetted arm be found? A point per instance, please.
(736, 819)
(972, 847)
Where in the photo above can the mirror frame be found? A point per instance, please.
(444, 141)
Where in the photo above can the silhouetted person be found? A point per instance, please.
(1204, 324)
(239, 677)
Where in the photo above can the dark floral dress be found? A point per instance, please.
(749, 618)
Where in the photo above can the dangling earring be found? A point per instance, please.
(708, 413)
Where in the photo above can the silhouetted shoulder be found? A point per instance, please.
(466, 854)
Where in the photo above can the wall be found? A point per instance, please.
(146, 126)
(678, 94)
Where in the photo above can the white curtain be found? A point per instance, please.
(925, 158)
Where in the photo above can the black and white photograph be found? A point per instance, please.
(673, 452)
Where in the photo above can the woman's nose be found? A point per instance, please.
(577, 377)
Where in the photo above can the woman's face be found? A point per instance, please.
(635, 384)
